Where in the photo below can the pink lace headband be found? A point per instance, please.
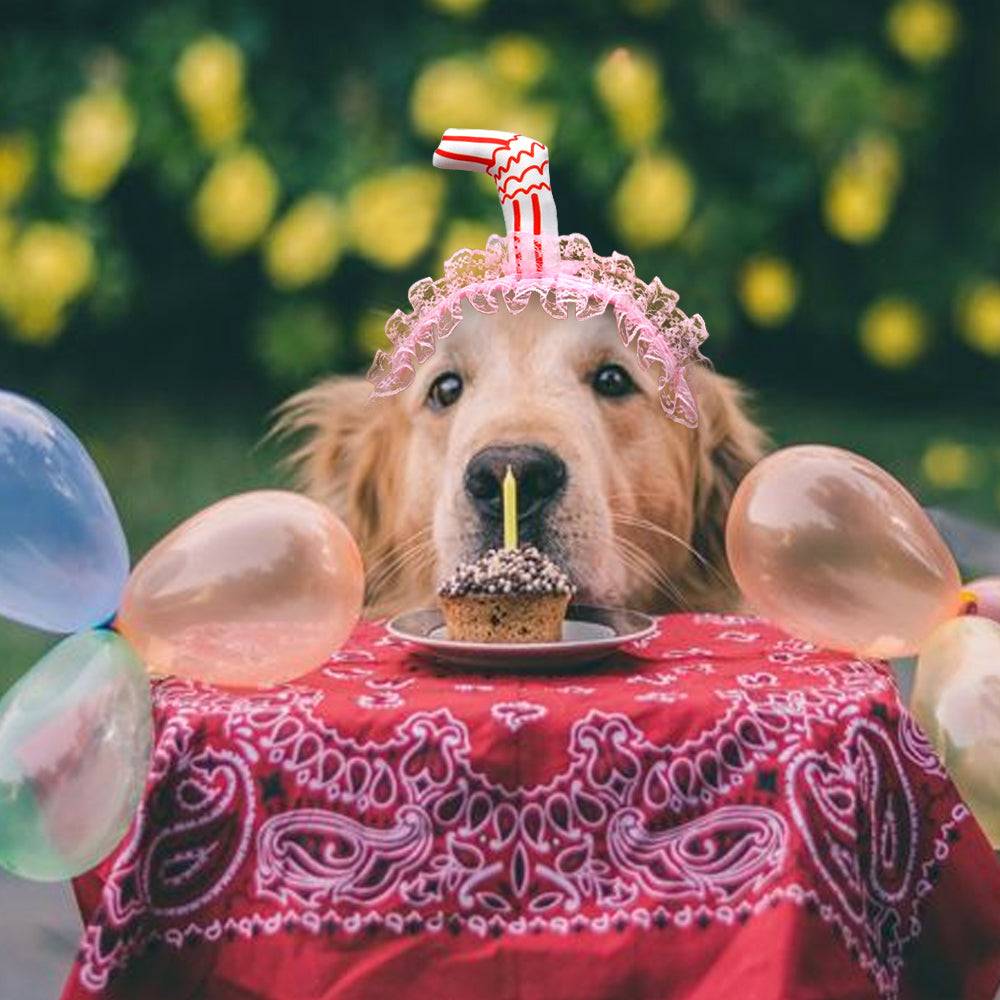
(534, 260)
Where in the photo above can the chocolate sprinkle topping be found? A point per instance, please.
(508, 571)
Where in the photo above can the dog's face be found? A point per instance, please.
(565, 405)
(630, 503)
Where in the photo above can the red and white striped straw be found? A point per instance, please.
(520, 167)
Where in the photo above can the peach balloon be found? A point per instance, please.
(834, 550)
(255, 590)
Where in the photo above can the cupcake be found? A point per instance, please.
(507, 595)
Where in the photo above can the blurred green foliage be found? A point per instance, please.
(851, 149)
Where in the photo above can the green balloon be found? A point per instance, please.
(76, 735)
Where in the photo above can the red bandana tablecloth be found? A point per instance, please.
(723, 812)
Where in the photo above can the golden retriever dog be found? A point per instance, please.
(630, 503)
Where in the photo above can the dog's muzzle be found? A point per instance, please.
(541, 478)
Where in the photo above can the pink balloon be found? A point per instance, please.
(834, 550)
(987, 592)
(257, 589)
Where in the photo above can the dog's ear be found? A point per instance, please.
(347, 455)
(729, 445)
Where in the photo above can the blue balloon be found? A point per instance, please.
(63, 556)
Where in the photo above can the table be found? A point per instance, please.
(722, 811)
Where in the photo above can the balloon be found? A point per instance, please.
(987, 593)
(75, 741)
(258, 589)
(956, 698)
(835, 551)
(63, 557)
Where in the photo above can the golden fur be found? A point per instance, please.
(641, 521)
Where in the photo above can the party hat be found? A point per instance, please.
(534, 261)
(520, 168)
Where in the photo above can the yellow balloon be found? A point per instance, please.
(956, 698)
(257, 589)
(834, 550)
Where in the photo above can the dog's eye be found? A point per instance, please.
(613, 381)
(444, 391)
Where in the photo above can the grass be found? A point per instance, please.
(162, 465)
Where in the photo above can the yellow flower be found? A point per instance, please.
(454, 91)
(893, 332)
(305, 245)
(768, 290)
(8, 233)
(45, 269)
(96, 136)
(209, 81)
(878, 158)
(37, 322)
(53, 262)
(458, 8)
(979, 315)
(235, 202)
(470, 93)
(464, 233)
(209, 72)
(219, 125)
(391, 215)
(629, 86)
(923, 31)
(533, 118)
(949, 465)
(370, 332)
(518, 60)
(855, 211)
(17, 164)
(861, 189)
(653, 200)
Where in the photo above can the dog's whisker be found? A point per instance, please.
(637, 521)
(387, 570)
(658, 583)
(423, 561)
(636, 495)
(388, 562)
(397, 560)
(656, 574)
(407, 561)
(639, 562)
(657, 578)
(643, 524)
(416, 539)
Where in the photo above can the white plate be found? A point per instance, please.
(589, 634)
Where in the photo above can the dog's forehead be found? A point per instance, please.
(507, 341)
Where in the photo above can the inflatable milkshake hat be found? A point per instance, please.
(534, 260)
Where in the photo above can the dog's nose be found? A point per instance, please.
(540, 474)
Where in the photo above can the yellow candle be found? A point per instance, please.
(509, 510)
